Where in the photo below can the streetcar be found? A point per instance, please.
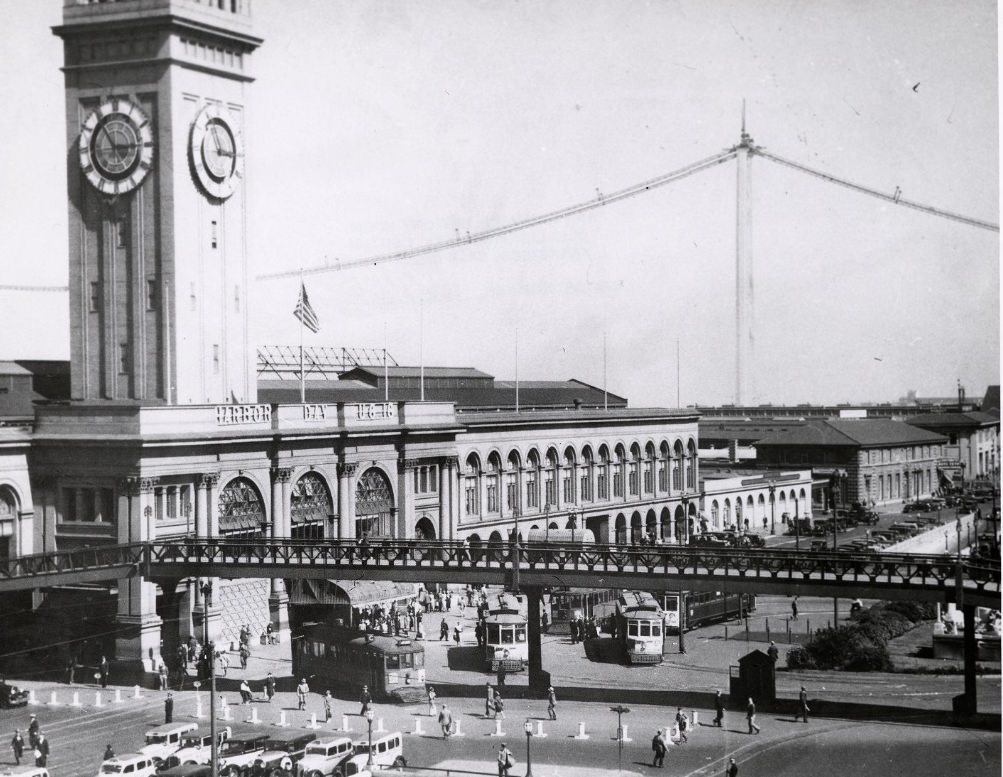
(703, 608)
(345, 658)
(567, 604)
(639, 627)
(505, 642)
(556, 545)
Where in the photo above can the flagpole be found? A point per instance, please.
(605, 401)
(386, 379)
(517, 369)
(421, 346)
(302, 373)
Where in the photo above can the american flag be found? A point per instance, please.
(304, 311)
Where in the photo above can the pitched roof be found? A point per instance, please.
(971, 420)
(991, 401)
(856, 432)
(415, 372)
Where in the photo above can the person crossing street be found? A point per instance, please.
(750, 715)
(802, 706)
(719, 709)
(552, 703)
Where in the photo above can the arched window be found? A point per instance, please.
(618, 467)
(663, 468)
(568, 476)
(648, 469)
(310, 505)
(512, 501)
(471, 485)
(493, 482)
(602, 476)
(677, 467)
(241, 509)
(585, 476)
(533, 481)
(634, 470)
(374, 503)
(550, 479)
(714, 514)
(691, 465)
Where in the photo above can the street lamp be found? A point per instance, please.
(369, 720)
(620, 711)
(211, 650)
(773, 507)
(186, 508)
(528, 727)
(685, 502)
(797, 523)
(546, 519)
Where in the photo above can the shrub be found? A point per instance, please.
(799, 658)
(847, 647)
(917, 612)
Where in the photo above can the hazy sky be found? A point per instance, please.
(380, 126)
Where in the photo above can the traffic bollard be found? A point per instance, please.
(52, 699)
(498, 730)
(379, 726)
(283, 723)
(626, 735)
(539, 729)
(417, 728)
(118, 696)
(76, 699)
(456, 729)
(199, 715)
(581, 732)
(135, 693)
(32, 699)
(254, 716)
(313, 721)
(696, 718)
(345, 724)
(97, 699)
(431, 711)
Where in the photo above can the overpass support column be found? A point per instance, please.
(539, 680)
(137, 645)
(278, 599)
(206, 528)
(967, 704)
(454, 496)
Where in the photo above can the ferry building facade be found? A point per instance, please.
(164, 435)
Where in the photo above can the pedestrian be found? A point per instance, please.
(269, 687)
(244, 655)
(456, 634)
(501, 674)
(489, 702)
(499, 706)
(443, 630)
(245, 692)
(750, 715)
(552, 703)
(17, 746)
(103, 672)
(41, 750)
(366, 699)
(719, 708)
(802, 706)
(431, 701)
(446, 721)
(269, 634)
(301, 691)
(479, 633)
(327, 705)
(169, 708)
(162, 676)
(224, 664)
(659, 748)
(109, 753)
(773, 652)
(505, 760)
(71, 668)
(794, 608)
(683, 723)
(731, 770)
(33, 730)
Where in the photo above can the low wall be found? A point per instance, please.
(939, 539)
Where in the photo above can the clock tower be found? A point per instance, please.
(155, 110)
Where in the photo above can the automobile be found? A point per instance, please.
(24, 770)
(968, 503)
(133, 764)
(323, 756)
(937, 503)
(750, 541)
(281, 754)
(164, 740)
(187, 770)
(819, 546)
(886, 535)
(238, 752)
(709, 540)
(196, 747)
(11, 696)
(387, 750)
(905, 529)
(868, 517)
(916, 507)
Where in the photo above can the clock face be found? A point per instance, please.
(116, 146)
(216, 151)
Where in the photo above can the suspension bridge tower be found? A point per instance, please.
(744, 298)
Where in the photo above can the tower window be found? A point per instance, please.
(214, 237)
(151, 295)
(123, 358)
(215, 359)
(122, 233)
(95, 303)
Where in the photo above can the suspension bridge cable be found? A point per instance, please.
(892, 198)
(476, 237)
(14, 287)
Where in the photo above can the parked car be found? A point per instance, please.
(709, 540)
(12, 696)
(187, 770)
(323, 756)
(133, 764)
(282, 754)
(196, 748)
(24, 770)
(916, 507)
(238, 752)
(388, 751)
(750, 541)
(164, 740)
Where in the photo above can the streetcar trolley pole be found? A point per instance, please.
(620, 711)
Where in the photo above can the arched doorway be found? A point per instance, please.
(310, 507)
(651, 524)
(666, 520)
(425, 530)
(680, 525)
(9, 524)
(241, 509)
(636, 528)
(621, 529)
(374, 505)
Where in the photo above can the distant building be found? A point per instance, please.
(973, 441)
(867, 460)
(767, 499)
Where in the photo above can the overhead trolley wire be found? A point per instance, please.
(895, 198)
(476, 237)
(15, 287)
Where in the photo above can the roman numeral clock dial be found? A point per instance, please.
(216, 152)
(116, 146)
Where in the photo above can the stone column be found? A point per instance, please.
(346, 500)
(287, 504)
(137, 645)
(445, 502)
(278, 599)
(406, 513)
(206, 527)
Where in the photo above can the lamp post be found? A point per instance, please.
(685, 502)
(148, 513)
(210, 648)
(546, 519)
(528, 728)
(773, 507)
(369, 721)
(957, 529)
(797, 524)
(620, 711)
(186, 508)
